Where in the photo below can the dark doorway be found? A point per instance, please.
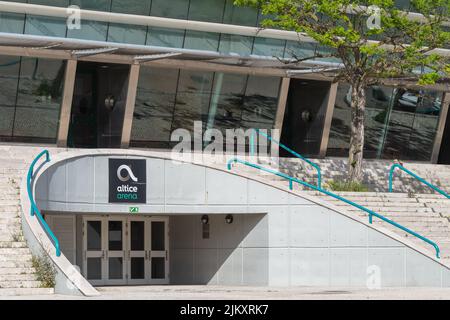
(98, 105)
(304, 116)
(444, 154)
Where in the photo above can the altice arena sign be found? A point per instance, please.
(127, 181)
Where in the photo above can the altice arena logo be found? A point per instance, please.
(128, 176)
(127, 181)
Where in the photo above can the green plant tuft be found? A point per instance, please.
(346, 186)
(45, 271)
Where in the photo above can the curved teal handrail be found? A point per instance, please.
(314, 165)
(331, 194)
(391, 176)
(34, 208)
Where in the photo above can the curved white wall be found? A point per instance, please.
(281, 238)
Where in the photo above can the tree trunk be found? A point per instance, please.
(355, 158)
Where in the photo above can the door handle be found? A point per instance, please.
(166, 256)
(146, 255)
(103, 254)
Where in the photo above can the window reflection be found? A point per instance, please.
(219, 100)
(400, 123)
(30, 101)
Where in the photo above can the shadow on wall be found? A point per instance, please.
(233, 254)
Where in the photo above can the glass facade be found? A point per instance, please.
(30, 98)
(218, 11)
(399, 123)
(169, 99)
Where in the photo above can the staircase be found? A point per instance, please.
(425, 213)
(17, 276)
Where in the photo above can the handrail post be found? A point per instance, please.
(252, 143)
(291, 186)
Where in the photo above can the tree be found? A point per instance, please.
(374, 40)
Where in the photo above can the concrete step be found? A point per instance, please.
(17, 277)
(20, 284)
(9, 209)
(16, 271)
(14, 251)
(11, 238)
(12, 244)
(15, 264)
(16, 257)
(25, 292)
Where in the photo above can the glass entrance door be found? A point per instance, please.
(159, 253)
(94, 266)
(115, 255)
(126, 250)
(137, 251)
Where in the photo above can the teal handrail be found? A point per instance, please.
(331, 194)
(314, 165)
(34, 208)
(391, 176)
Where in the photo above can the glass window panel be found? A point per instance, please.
(157, 90)
(148, 128)
(192, 102)
(39, 98)
(413, 125)
(94, 235)
(54, 3)
(6, 121)
(140, 7)
(137, 235)
(230, 43)
(137, 268)
(201, 40)
(177, 9)
(260, 103)
(209, 11)
(12, 22)
(158, 236)
(115, 234)
(299, 49)
(226, 101)
(90, 30)
(45, 26)
(155, 102)
(94, 268)
(425, 126)
(115, 268)
(158, 268)
(326, 51)
(401, 120)
(127, 33)
(98, 5)
(269, 47)
(243, 16)
(378, 102)
(399, 123)
(9, 76)
(163, 37)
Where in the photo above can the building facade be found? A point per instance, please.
(125, 74)
(164, 65)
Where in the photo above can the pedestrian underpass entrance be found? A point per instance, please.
(126, 250)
